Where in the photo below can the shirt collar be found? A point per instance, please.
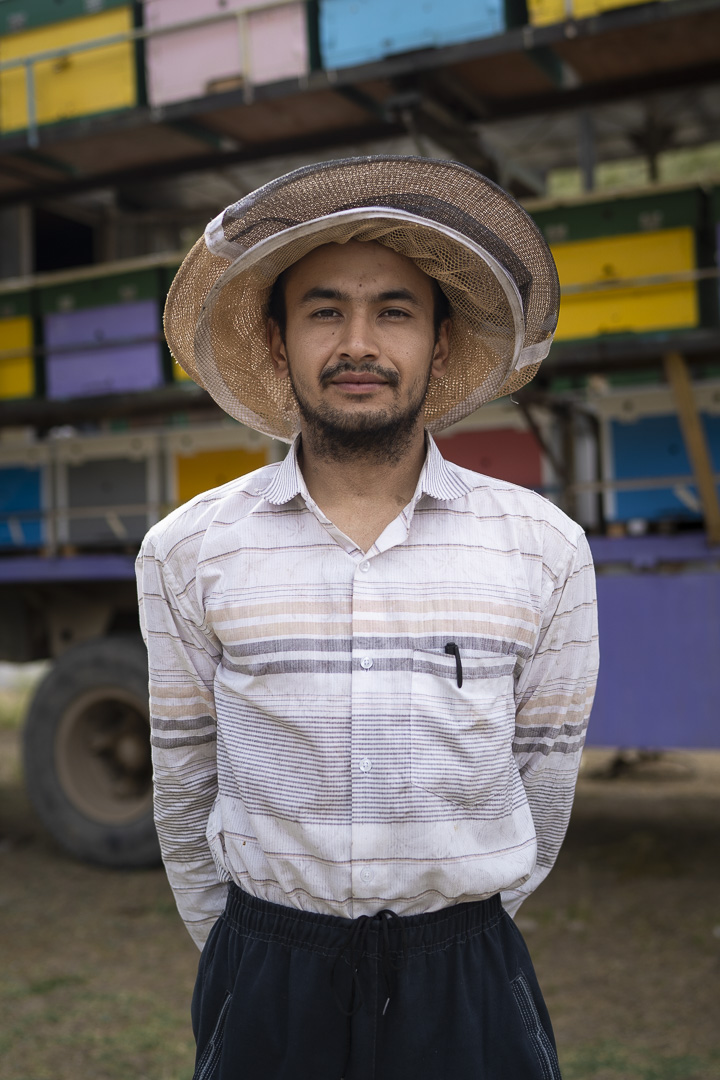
(287, 480)
(439, 479)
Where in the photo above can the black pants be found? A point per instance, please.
(289, 995)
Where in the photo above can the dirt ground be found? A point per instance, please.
(97, 970)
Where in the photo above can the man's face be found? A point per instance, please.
(360, 345)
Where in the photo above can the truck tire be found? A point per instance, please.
(87, 761)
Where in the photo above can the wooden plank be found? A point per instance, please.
(696, 445)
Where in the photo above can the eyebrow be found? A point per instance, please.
(320, 293)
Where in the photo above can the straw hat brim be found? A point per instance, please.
(216, 311)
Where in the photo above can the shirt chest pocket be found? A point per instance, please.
(461, 736)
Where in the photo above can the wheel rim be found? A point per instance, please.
(102, 756)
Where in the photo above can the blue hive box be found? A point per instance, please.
(354, 32)
(20, 506)
(654, 446)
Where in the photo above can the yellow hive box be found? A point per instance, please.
(633, 309)
(545, 12)
(96, 81)
(211, 468)
(17, 371)
(179, 374)
(583, 9)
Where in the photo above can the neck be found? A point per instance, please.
(361, 485)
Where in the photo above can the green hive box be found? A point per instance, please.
(715, 225)
(630, 214)
(13, 304)
(715, 203)
(25, 14)
(99, 291)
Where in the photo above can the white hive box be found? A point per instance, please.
(108, 488)
(641, 439)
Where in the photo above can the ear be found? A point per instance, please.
(276, 348)
(441, 352)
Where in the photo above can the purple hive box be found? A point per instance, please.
(101, 350)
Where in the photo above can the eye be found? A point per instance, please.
(325, 313)
(395, 313)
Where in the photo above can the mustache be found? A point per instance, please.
(391, 377)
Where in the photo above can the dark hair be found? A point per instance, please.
(277, 310)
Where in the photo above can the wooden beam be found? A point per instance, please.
(696, 445)
(558, 466)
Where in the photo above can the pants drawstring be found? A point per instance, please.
(352, 954)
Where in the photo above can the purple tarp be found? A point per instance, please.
(659, 684)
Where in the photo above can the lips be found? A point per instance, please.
(357, 389)
(359, 379)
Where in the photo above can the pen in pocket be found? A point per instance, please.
(452, 649)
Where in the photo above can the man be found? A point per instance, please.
(370, 670)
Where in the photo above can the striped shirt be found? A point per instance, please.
(311, 739)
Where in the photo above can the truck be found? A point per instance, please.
(115, 436)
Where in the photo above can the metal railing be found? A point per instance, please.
(21, 352)
(138, 34)
(648, 281)
(53, 516)
(154, 261)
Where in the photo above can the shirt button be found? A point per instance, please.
(366, 663)
(364, 566)
(366, 874)
(365, 765)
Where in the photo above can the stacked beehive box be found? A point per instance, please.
(497, 441)
(235, 50)
(715, 215)
(200, 458)
(544, 12)
(77, 83)
(107, 488)
(25, 495)
(353, 32)
(102, 335)
(606, 250)
(17, 341)
(641, 440)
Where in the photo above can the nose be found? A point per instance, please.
(358, 340)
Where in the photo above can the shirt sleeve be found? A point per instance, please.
(553, 698)
(182, 662)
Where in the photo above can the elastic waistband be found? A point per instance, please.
(408, 934)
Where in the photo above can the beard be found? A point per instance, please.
(381, 436)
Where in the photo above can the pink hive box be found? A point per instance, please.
(198, 61)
